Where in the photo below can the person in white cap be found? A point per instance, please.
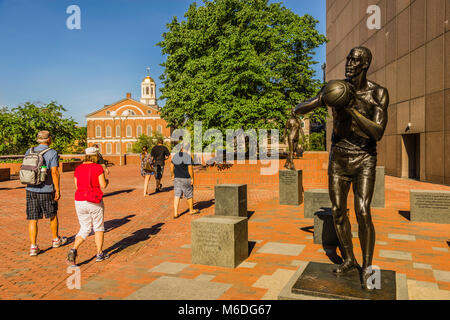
(101, 161)
(89, 180)
(42, 199)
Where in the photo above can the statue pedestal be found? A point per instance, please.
(291, 187)
(316, 281)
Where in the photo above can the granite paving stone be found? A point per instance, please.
(169, 267)
(169, 288)
(282, 248)
(401, 255)
(405, 237)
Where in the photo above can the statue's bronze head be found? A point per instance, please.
(358, 61)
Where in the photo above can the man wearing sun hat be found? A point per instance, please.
(42, 199)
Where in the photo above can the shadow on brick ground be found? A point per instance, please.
(115, 193)
(135, 238)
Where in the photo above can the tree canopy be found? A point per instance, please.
(19, 127)
(147, 141)
(238, 64)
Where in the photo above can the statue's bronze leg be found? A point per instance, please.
(291, 152)
(339, 189)
(363, 190)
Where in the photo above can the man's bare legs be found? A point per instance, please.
(190, 202)
(33, 230)
(176, 202)
(54, 225)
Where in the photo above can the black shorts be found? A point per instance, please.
(40, 204)
(351, 165)
(159, 171)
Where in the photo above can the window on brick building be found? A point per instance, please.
(98, 131)
(138, 131)
(129, 147)
(117, 131)
(129, 131)
(108, 131)
(149, 130)
(159, 129)
(117, 147)
(108, 148)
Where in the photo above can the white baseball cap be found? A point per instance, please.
(91, 151)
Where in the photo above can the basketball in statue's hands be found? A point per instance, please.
(337, 94)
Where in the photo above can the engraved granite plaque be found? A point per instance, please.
(291, 187)
(430, 206)
(219, 241)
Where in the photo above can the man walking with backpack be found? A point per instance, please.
(40, 172)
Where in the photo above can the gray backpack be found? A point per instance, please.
(30, 171)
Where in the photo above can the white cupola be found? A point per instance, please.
(148, 91)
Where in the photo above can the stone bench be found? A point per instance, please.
(230, 200)
(219, 241)
(430, 206)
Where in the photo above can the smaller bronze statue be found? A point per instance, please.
(292, 133)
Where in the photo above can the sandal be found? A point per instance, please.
(194, 212)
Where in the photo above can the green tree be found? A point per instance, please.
(315, 141)
(19, 127)
(238, 64)
(147, 141)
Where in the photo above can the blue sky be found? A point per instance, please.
(41, 60)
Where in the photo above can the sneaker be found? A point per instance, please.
(34, 251)
(71, 257)
(61, 241)
(101, 256)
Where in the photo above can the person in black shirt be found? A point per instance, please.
(160, 154)
(183, 183)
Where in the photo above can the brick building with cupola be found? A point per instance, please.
(119, 125)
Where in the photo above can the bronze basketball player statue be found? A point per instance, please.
(292, 134)
(359, 109)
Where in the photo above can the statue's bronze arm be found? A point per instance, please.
(308, 106)
(374, 128)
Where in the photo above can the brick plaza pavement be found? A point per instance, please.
(150, 252)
